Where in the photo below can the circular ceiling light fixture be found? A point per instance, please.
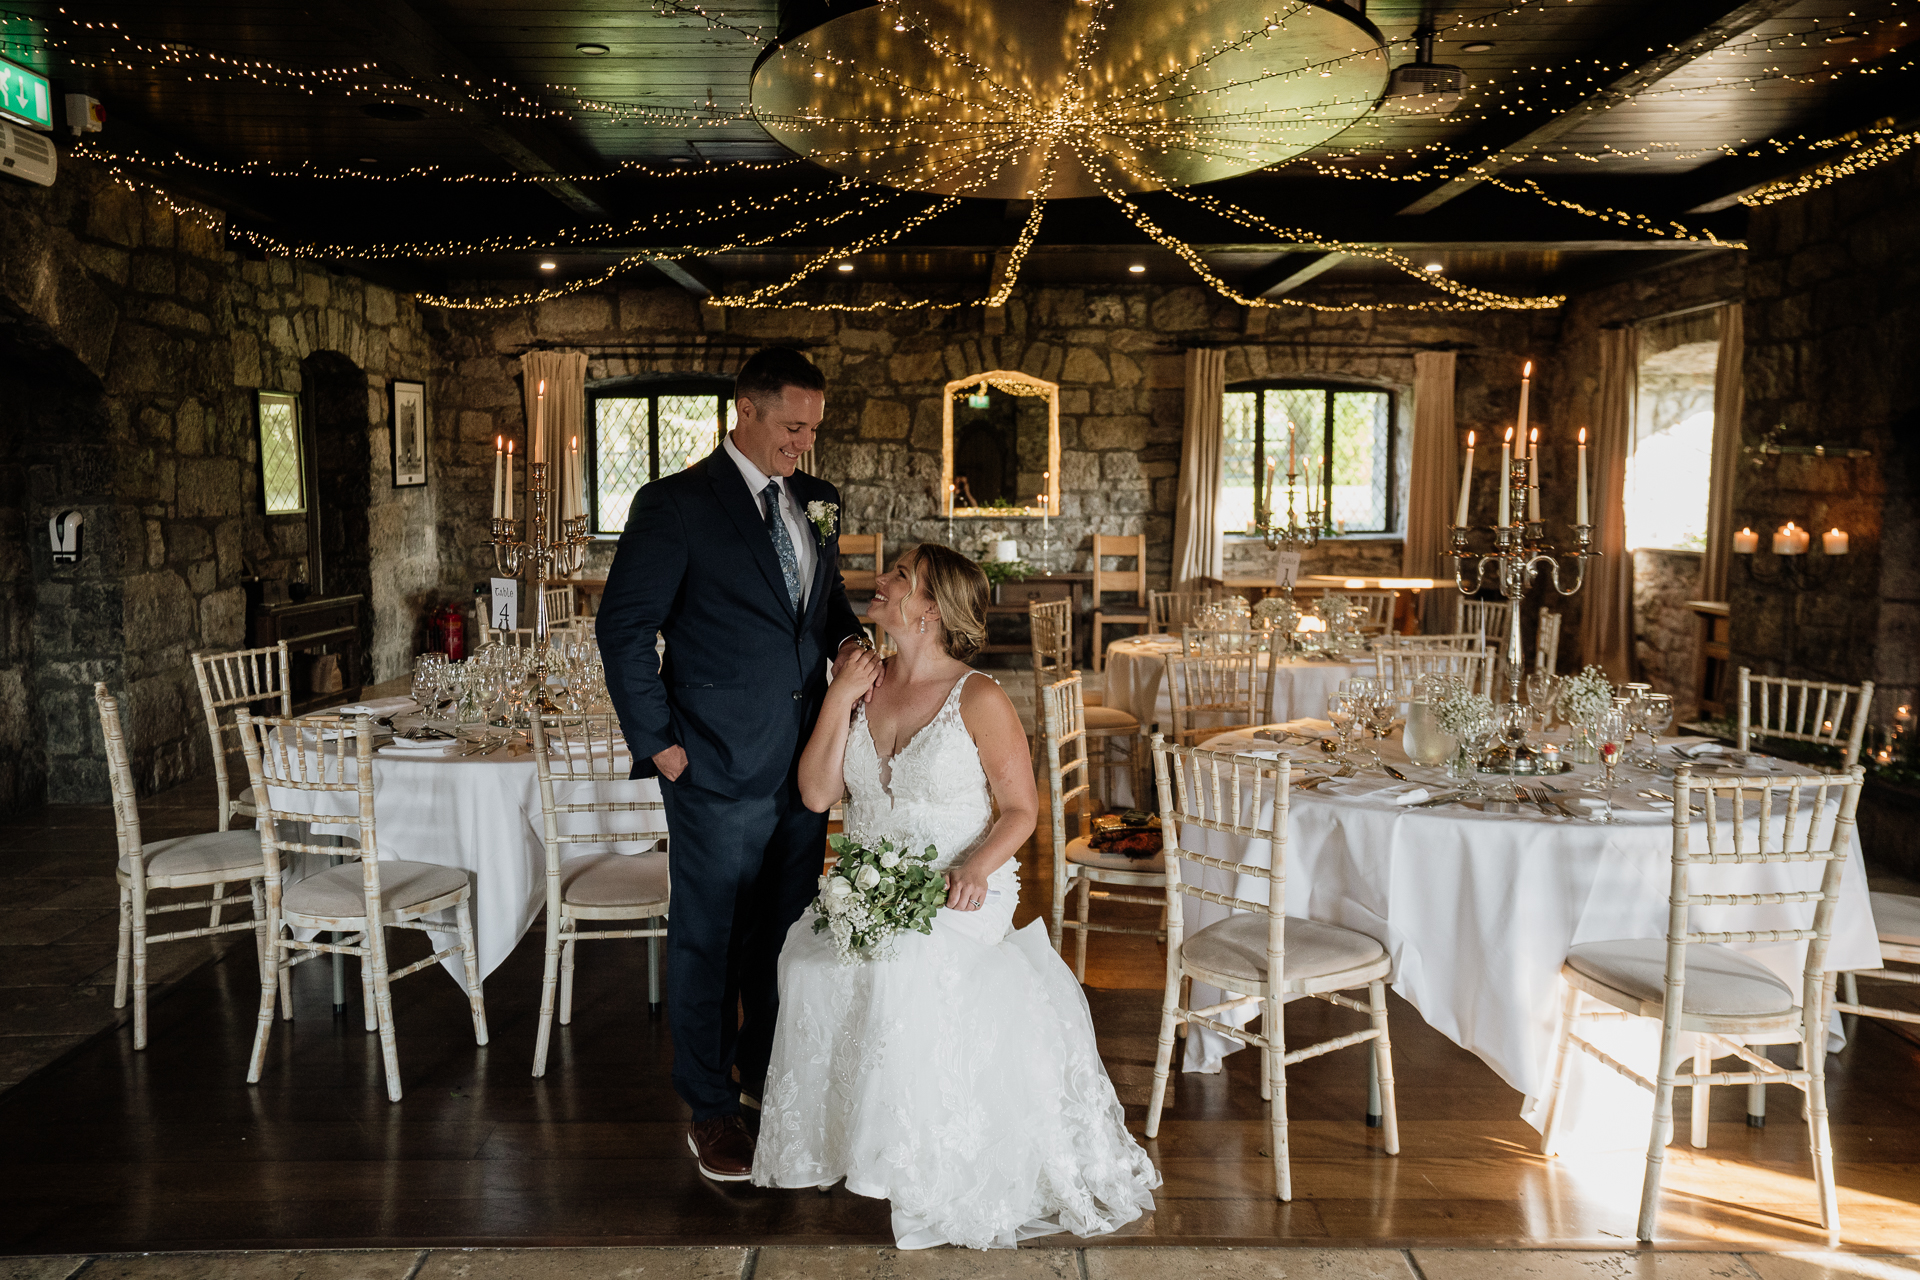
(1137, 269)
(1846, 37)
(1477, 46)
(1434, 268)
(846, 266)
(1018, 99)
(549, 266)
(592, 50)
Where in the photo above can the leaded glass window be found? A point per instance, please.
(283, 486)
(1341, 438)
(641, 433)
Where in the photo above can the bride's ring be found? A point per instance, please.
(973, 902)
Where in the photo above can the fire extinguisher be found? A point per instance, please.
(447, 628)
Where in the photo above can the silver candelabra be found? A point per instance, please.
(1292, 536)
(544, 557)
(1520, 551)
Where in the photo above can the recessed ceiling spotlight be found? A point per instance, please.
(679, 160)
(846, 266)
(900, 26)
(548, 266)
(819, 75)
(1138, 268)
(369, 160)
(1477, 46)
(1433, 268)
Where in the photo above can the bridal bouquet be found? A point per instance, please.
(874, 893)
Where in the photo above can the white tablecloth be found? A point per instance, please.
(1136, 683)
(482, 814)
(1479, 911)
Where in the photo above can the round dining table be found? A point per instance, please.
(1479, 903)
(1136, 681)
(459, 805)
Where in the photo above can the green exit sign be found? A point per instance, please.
(25, 96)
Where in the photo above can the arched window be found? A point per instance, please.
(649, 426)
(1339, 434)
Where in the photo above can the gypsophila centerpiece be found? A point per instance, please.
(875, 892)
(1586, 696)
(1458, 711)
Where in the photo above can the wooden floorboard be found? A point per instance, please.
(169, 1149)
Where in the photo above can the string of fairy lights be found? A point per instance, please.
(976, 144)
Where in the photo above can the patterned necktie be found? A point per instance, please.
(782, 543)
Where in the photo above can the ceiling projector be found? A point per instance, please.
(1424, 87)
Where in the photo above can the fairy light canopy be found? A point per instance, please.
(1019, 99)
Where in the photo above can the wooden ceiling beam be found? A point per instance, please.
(394, 35)
(686, 273)
(1690, 40)
(1288, 272)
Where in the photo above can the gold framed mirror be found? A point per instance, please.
(1000, 446)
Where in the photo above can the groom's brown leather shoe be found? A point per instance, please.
(723, 1147)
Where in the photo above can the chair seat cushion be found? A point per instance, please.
(1896, 918)
(242, 805)
(1238, 946)
(336, 893)
(615, 879)
(1082, 853)
(1111, 720)
(203, 855)
(1720, 982)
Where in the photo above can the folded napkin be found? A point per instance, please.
(415, 750)
(1414, 796)
(426, 744)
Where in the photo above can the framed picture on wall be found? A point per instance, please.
(409, 434)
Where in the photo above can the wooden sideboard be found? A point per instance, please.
(312, 627)
(1011, 599)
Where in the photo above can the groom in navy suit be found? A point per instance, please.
(736, 562)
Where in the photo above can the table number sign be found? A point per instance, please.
(506, 604)
(1286, 568)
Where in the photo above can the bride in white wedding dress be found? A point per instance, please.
(958, 1079)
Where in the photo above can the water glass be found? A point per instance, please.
(1611, 730)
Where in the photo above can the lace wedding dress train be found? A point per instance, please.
(958, 1079)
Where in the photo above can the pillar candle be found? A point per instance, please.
(576, 504)
(1581, 490)
(1789, 540)
(540, 422)
(1291, 468)
(1746, 542)
(1046, 501)
(499, 476)
(1533, 474)
(1526, 385)
(509, 479)
(1506, 475)
(1833, 542)
(1466, 483)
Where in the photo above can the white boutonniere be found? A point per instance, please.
(825, 517)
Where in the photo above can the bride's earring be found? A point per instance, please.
(923, 624)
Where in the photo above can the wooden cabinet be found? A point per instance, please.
(1712, 670)
(310, 628)
(1012, 598)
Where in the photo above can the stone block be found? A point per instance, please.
(919, 367)
(299, 1264)
(1545, 1264)
(883, 420)
(1153, 1262)
(113, 214)
(1812, 1265)
(223, 618)
(868, 1263)
(190, 427)
(106, 261)
(156, 609)
(229, 540)
(1102, 433)
(579, 313)
(200, 577)
(1120, 466)
(1180, 309)
(1084, 365)
(189, 542)
(1126, 373)
(874, 340)
(152, 273)
(1075, 400)
(211, 487)
(381, 308)
(1079, 471)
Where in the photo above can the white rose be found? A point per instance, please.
(866, 877)
(839, 888)
(889, 859)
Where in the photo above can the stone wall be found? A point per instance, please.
(1832, 324)
(1666, 634)
(172, 332)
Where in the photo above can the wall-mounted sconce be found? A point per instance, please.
(1790, 545)
(63, 531)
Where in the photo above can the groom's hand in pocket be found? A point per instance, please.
(671, 763)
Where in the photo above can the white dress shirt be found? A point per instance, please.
(805, 546)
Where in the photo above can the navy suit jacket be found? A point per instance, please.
(743, 676)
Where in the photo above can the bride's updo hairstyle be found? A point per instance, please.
(959, 590)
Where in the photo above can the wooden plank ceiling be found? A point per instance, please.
(1654, 107)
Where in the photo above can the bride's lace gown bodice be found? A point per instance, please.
(958, 1079)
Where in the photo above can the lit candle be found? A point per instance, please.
(1466, 483)
(1506, 476)
(1833, 542)
(499, 473)
(1746, 542)
(509, 479)
(1786, 540)
(951, 489)
(1581, 489)
(540, 423)
(1291, 468)
(1533, 474)
(1266, 500)
(1316, 484)
(1526, 385)
(576, 501)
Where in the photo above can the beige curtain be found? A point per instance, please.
(1606, 614)
(1197, 549)
(565, 415)
(1729, 402)
(1433, 490)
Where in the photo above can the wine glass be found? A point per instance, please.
(1611, 730)
(1340, 714)
(1510, 721)
(1654, 717)
(1382, 712)
(1543, 694)
(1477, 738)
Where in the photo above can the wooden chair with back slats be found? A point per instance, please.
(1211, 694)
(1051, 629)
(1546, 645)
(1896, 921)
(363, 896)
(587, 753)
(1107, 581)
(1804, 711)
(228, 681)
(1260, 952)
(1075, 861)
(213, 860)
(1170, 611)
(861, 582)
